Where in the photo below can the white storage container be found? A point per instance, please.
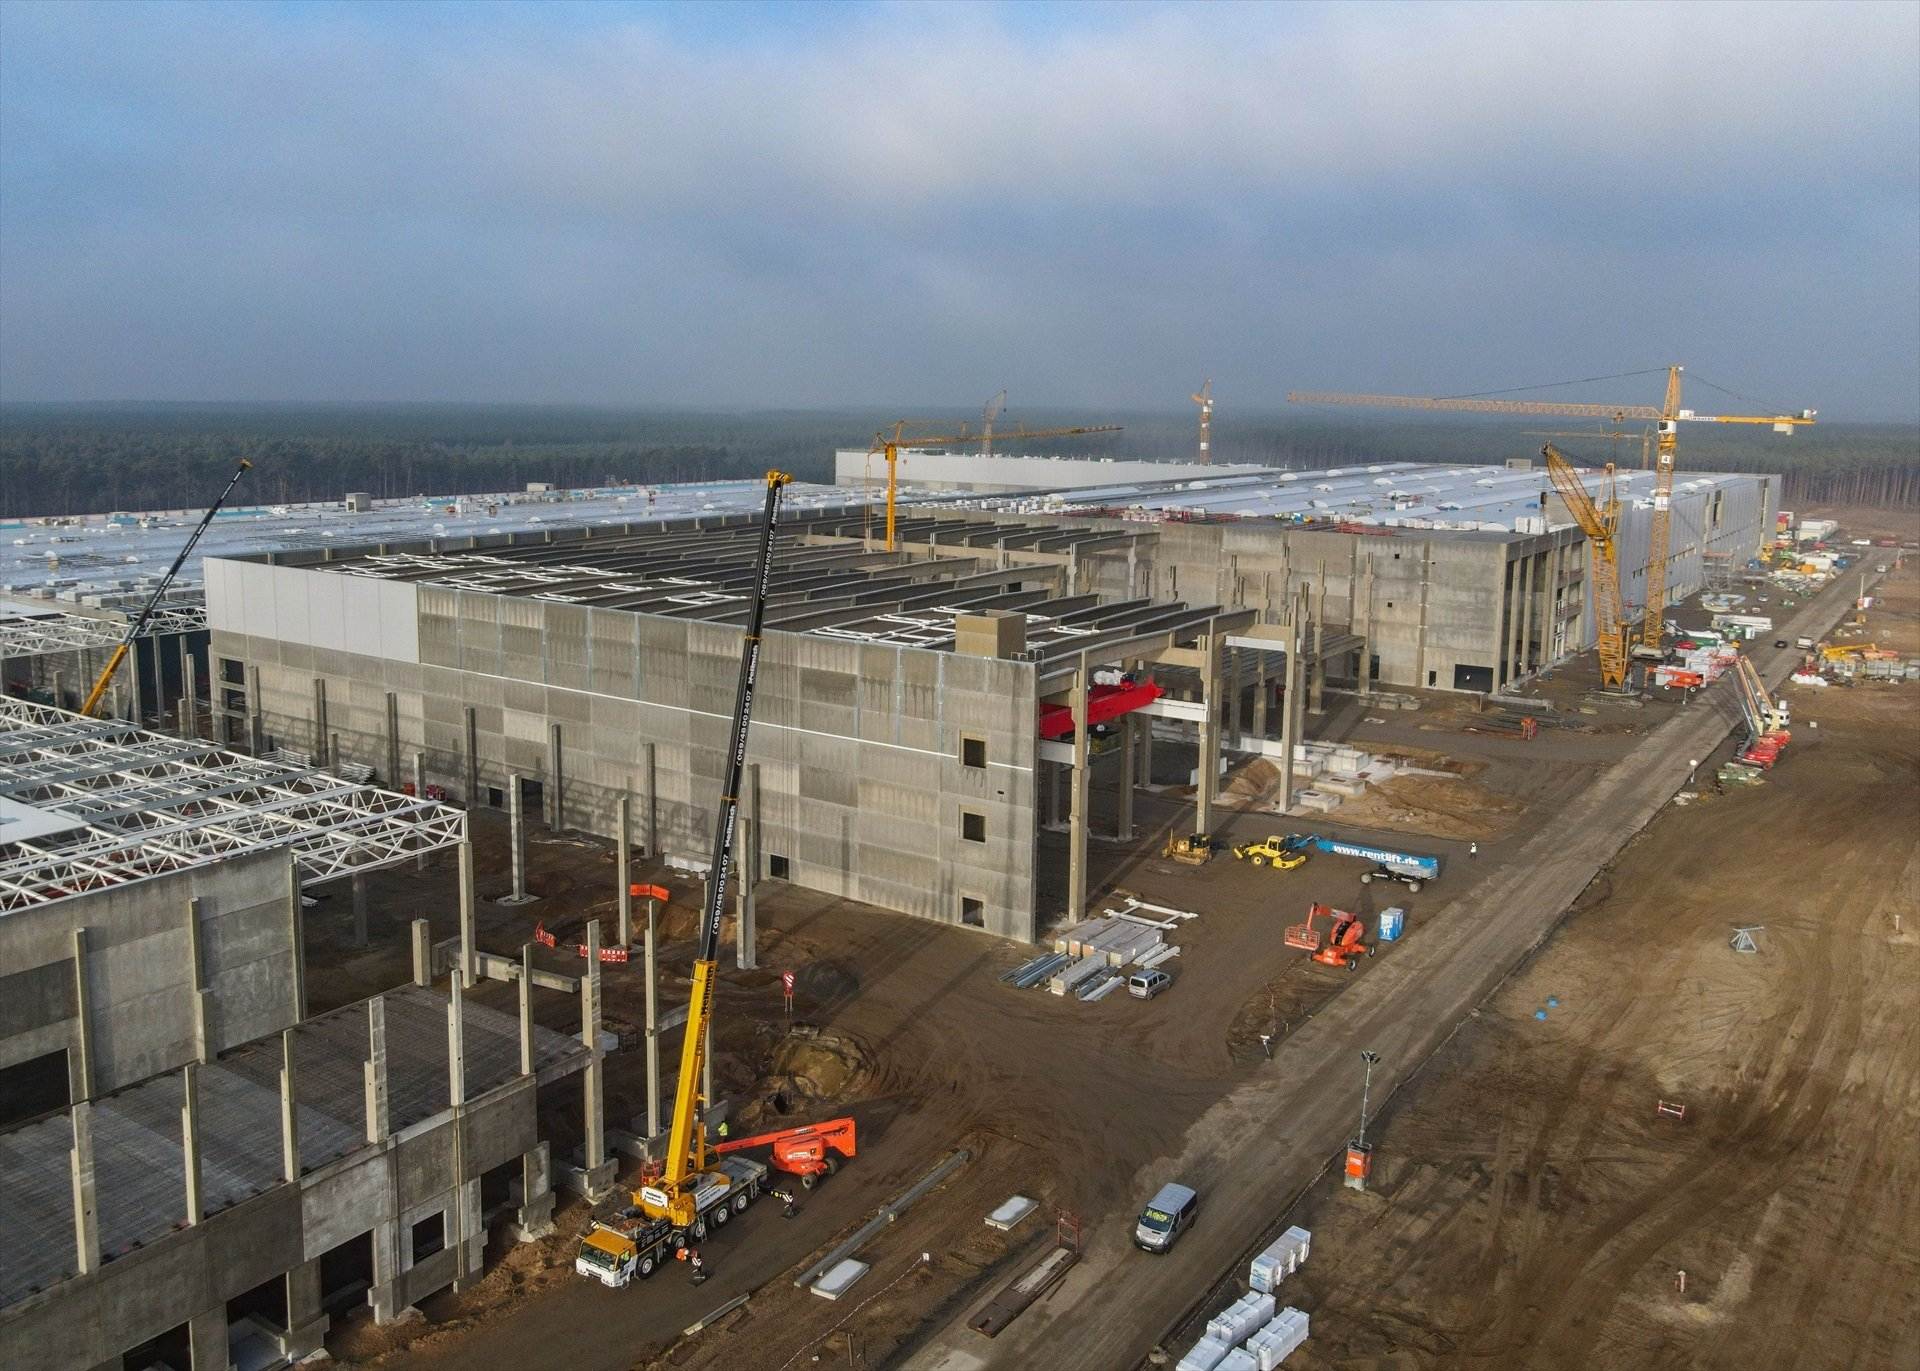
(1238, 1320)
(1205, 1355)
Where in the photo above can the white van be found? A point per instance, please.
(1167, 1215)
(1144, 985)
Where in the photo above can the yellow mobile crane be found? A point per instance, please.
(890, 446)
(1599, 524)
(1666, 419)
(695, 1187)
(139, 623)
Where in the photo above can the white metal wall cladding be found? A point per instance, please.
(317, 609)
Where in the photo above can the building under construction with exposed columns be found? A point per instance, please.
(901, 753)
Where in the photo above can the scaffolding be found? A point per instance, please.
(93, 803)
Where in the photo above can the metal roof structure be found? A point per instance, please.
(826, 580)
(1484, 499)
(36, 635)
(116, 804)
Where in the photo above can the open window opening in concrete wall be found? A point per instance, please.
(34, 1087)
(778, 867)
(346, 1274)
(973, 913)
(499, 1189)
(1472, 677)
(263, 1308)
(429, 1236)
(973, 752)
(973, 827)
(172, 1348)
(1433, 679)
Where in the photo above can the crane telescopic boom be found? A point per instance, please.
(139, 624)
(687, 1137)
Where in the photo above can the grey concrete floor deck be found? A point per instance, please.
(138, 1167)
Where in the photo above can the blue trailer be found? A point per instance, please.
(1408, 868)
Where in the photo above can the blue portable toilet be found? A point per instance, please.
(1392, 922)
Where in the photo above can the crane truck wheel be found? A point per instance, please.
(699, 1229)
(646, 1266)
(808, 1181)
(741, 1201)
(833, 1165)
(721, 1213)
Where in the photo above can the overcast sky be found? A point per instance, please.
(760, 205)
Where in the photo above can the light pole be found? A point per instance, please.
(1693, 770)
(1359, 1154)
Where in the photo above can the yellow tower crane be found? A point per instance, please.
(1666, 419)
(1599, 523)
(891, 444)
(988, 413)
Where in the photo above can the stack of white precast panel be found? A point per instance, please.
(1205, 1355)
(1274, 1343)
(1238, 1320)
(1238, 1359)
(1279, 1260)
(1070, 976)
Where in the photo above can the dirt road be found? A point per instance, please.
(1531, 1209)
(1262, 1145)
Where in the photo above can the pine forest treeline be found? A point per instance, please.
(89, 460)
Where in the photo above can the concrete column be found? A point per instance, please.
(80, 1053)
(289, 1112)
(1236, 720)
(133, 684)
(297, 932)
(422, 933)
(1207, 766)
(1290, 699)
(1146, 752)
(256, 714)
(383, 1293)
(526, 1009)
(1365, 616)
(456, 1050)
(60, 690)
(1123, 823)
(555, 778)
(1526, 614)
(207, 1340)
(197, 968)
(333, 752)
(517, 838)
(321, 733)
(1317, 691)
(190, 1140)
(306, 1320)
(374, 1070)
(653, 1024)
(86, 1209)
(623, 865)
(392, 778)
(467, 957)
(473, 759)
(1077, 792)
(420, 793)
(653, 806)
(189, 694)
(1260, 692)
(358, 881)
(594, 1102)
(535, 1219)
(747, 938)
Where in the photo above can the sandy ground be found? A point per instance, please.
(1530, 1207)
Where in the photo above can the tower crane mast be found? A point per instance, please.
(1666, 418)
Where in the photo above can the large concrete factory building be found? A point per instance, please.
(896, 753)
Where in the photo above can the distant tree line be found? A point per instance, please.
(99, 459)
